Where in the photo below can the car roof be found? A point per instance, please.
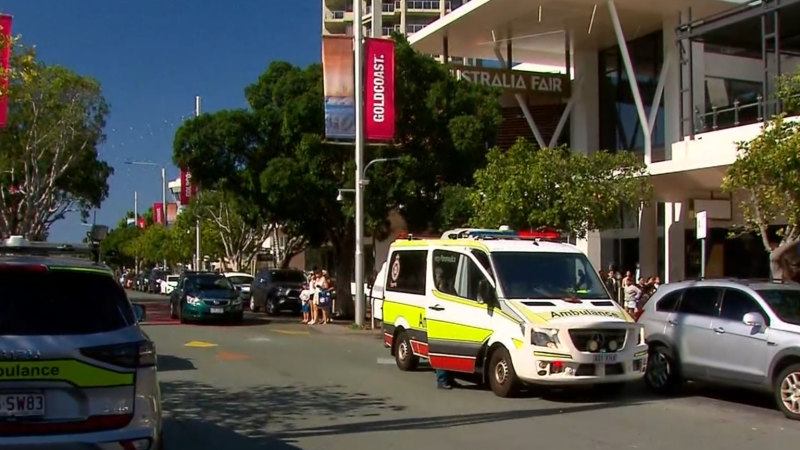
(236, 274)
(492, 245)
(752, 283)
(59, 261)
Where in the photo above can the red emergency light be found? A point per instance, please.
(550, 235)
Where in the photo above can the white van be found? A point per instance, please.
(514, 310)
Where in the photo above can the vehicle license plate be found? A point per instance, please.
(605, 358)
(217, 310)
(18, 405)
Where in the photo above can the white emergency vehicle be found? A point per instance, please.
(513, 308)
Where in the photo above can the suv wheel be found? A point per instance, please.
(787, 391)
(662, 374)
(253, 306)
(271, 307)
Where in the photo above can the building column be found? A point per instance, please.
(648, 241)
(672, 116)
(584, 126)
(403, 16)
(674, 242)
(592, 247)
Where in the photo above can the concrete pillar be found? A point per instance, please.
(674, 242)
(671, 90)
(584, 126)
(648, 241)
(403, 17)
(591, 246)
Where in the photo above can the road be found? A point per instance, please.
(282, 385)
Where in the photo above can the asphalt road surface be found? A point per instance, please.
(282, 385)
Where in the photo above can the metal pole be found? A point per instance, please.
(377, 18)
(359, 143)
(136, 223)
(197, 224)
(702, 258)
(164, 201)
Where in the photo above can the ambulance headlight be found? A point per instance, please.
(545, 337)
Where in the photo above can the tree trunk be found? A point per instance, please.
(784, 261)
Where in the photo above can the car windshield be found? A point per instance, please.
(547, 275)
(288, 276)
(61, 303)
(208, 283)
(785, 303)
(240, 279)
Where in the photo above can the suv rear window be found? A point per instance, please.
(287, 276)
(61, 303)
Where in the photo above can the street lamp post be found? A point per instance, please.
(163, 190)
(361, 183)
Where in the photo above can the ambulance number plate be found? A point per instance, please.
(21, 405)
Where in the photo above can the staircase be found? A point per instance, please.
(514, 124)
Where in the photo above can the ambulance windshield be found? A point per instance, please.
(544, 275)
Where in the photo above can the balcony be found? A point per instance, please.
(425, 6)
(338, 16)
(386, 8)
(414, 27)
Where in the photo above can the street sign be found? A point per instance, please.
(701, 219)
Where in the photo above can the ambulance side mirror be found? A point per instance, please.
(486, 293)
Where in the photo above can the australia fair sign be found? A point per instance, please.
(379, 89)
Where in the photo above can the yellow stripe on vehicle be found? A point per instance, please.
(517, 343)
(458, 332)
(640, 354)
(81, 269)
(552, 355)
(473, 304)
(394, 310)
(463, 243)
(410, 243)
(71, 371)
(530, 315)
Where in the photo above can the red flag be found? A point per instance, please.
(158, 213)
(379, 93)
(188, 189)
(141, 223)
(5, 62)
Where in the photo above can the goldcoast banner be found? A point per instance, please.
(379, 86)
(5, 60)
(339, 81)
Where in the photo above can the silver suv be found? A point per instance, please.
(75, 367)
(733, 332)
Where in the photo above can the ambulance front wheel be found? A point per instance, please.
(502, 377)
(403, 355)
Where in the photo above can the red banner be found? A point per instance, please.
(379, 92)
(5, 62)
(158, 213)
(188, 189)
(141, 223)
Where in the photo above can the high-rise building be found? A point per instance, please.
(404, 16)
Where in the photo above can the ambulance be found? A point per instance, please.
(515, 309)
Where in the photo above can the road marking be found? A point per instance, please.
(199, 344)
(260, 339)
(228, 356)
(291, 332)
(386, 361)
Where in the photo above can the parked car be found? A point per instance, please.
(169, 285)
(205, 296)
(741, 333)
(242, 281)
(277, 290)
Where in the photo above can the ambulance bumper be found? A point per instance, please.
(585, 368)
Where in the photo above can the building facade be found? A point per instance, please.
(403, 16)
(679, 83)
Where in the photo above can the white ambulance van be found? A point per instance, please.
(515, 309)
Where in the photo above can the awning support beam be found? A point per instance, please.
(637, 96)
(662, 79)
(562, 122)
(523, 105)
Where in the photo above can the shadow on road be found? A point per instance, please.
(250, 412)
(199, 434)
(168, 363)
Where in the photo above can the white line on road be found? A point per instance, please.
(386, 361)
(260, 339)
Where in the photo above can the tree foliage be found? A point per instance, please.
(767, 173)
(49, 162)
(526, 187)
(274, 159)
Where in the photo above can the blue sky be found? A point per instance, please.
(152, 57)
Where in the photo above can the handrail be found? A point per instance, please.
(761, 106)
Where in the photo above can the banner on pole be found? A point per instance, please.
(5, 64)
(141, 222)
(188, 189)
(379, 95)
(339, 85)
(172, 213)
(158, 213)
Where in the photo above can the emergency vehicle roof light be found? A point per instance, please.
(545, 235)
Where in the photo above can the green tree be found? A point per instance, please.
(274, 159)
(529, 188)
(766, 173)
(49, 161)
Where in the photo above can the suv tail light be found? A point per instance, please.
(131, 355)
(637, 315)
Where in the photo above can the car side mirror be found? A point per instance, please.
(238, 288)
(486, 293)
(140, 312)
(754, 319)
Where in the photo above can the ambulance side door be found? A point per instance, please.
(458, 324)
